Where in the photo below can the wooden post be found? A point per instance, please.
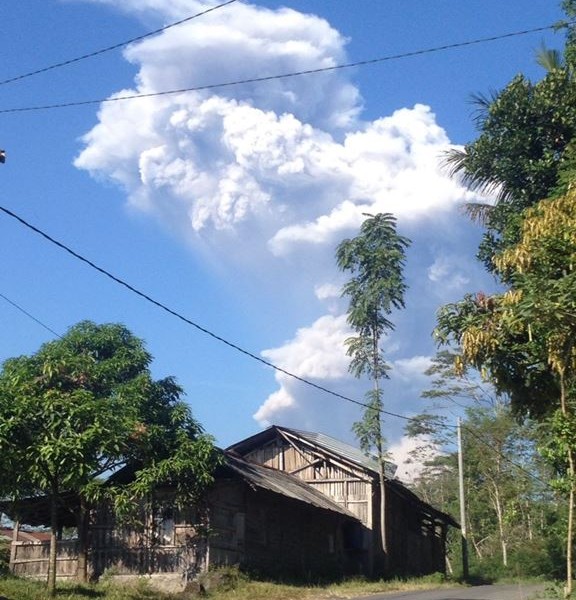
(15, 533)
(463, 529)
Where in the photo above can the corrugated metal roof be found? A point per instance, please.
(321, 440)
(283, 483)
(345, 452)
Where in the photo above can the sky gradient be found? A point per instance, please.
(226, 204)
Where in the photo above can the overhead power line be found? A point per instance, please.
(117, 46)
(262, 79)
(225, 341)
(181, 317)
(29, 315)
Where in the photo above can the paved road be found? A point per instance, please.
(481, 592)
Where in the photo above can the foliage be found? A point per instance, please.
(525, 338)
(511, 514)
(4, 557)
(244, 590)
(33, 590)
(525, 130)
(375, 260)
(85, 405)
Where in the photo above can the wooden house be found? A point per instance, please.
(415, 531)
(285, 503)
(259, 518)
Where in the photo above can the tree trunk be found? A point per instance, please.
(383, 524)
(381, 456)
(82, 565)
(15, 533)
(53, 542)
(570, 533)
(528, 520)
(500, 517)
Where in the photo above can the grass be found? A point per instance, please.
(260, 590)
(20, 589)
(238, 588)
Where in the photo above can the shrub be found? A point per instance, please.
(4, 558)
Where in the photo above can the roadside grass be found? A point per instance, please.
(349, 588)
(13, 588)
(234, 588)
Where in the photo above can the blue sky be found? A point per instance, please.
(226, 205)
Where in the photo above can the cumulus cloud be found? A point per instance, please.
(448, 273)
(412, 368)
(287, 166)
(316, 353)
(287, 159)
(410, 454)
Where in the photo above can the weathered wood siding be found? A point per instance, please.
(348, 486)
(416, 542)
(260, 530)
(227, 523)
(31, 560)
(274, 535)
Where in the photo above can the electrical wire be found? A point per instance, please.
(382, 411)
(178, 315)
(71, 61)
(22, 310)
(219, 338)
(213, 86)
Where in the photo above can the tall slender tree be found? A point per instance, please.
(375, 260)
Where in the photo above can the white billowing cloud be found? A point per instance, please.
(327, 291)
(409, 454)
(448, 273)
(409, 369)
(286, 159)
(285, 166)
(316, 354)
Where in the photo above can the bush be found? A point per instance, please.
(222, 579)
(4, 558)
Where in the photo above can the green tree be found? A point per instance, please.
(375, 260)
(524, 132)
(507, 503)
(85, 405)
(525, 338)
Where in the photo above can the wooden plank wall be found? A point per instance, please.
(345, 484)
(31, 560)
(416, 541)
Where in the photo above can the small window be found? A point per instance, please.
(164, 525)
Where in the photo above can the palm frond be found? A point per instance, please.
(479, 212)
(456, 162)
(548, 59)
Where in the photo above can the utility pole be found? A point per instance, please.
(465, 571)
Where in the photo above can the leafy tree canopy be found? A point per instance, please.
(525, 130)
(85, 405)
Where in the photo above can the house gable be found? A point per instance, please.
(415, 531)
